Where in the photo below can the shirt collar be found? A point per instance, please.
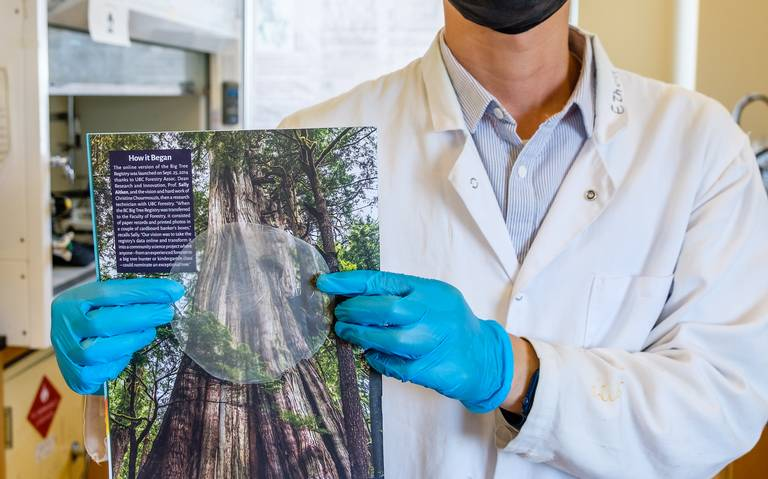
(475, 100)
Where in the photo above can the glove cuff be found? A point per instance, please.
(504, 356)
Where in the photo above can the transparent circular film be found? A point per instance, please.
(252, 311)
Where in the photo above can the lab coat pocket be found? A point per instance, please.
(623, 309)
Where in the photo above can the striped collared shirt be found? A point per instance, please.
(526, 175)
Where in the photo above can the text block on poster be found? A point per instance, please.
(153, 210)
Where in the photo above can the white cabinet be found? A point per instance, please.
(198, 42)
(25, 258)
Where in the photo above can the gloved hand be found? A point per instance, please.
(96, 328)
(422, 331)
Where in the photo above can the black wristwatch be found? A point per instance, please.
(518, 420)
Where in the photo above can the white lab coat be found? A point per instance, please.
(647, 306)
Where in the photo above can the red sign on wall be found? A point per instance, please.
(44, 407)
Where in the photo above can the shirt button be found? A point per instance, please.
(519, 297)
(498, 113)
(522, 171)
(474, 183)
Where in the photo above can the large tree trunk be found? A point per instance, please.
(357, 435)
(118, 439)
(216, 429)
(132, 443)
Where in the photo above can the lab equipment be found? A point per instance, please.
(230, 103)
(759, 144)
(55, 82)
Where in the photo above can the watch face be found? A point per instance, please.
(530, 394)
(515, 421)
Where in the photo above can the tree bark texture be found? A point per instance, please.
(357, 435)
(118, 438)
(216, 429)
(132, 442)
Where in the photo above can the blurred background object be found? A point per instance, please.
(759, 142)
(654, 38)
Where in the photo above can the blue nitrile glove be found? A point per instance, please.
(422, 331)
(96, 328)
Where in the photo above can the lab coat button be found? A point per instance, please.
(474, 183)
(498, 113)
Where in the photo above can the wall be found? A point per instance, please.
(637, 34)
(304, 51)
(733, 55)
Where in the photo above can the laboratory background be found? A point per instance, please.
(73, 67)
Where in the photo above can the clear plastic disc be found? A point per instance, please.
(252, 311)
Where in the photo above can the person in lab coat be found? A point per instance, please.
(582, 259)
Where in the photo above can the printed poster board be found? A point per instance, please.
(155, 194)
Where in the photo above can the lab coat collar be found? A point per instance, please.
(570, 213)
(468, 175)
(475, 100)
(611, 114)
(445, 110)
(446, 115)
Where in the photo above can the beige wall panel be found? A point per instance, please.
(638, 34)
(733, 55)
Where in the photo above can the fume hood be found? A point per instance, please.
(73, 67)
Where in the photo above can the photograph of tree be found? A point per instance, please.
(169, 417)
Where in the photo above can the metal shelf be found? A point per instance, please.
(112, 89)
(78, 66)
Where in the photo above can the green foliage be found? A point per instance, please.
(215, 349)
(361, 249)
(327, 364)
(200, 198)
(138, 398)
(309, 422)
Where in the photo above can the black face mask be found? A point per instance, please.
(508, 16)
